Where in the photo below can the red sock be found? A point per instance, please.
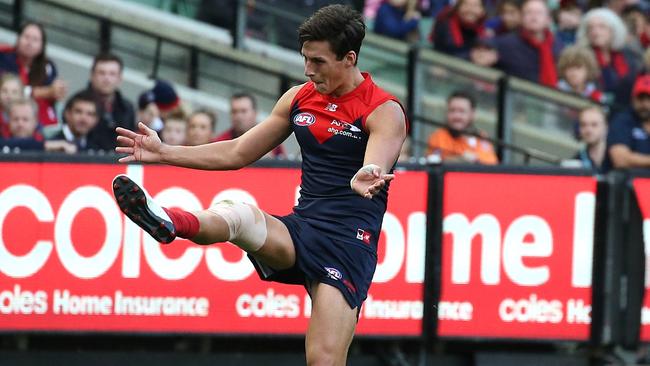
(185, 223)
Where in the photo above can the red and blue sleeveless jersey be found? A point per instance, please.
(332, 136)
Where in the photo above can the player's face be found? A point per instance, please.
(322, 67)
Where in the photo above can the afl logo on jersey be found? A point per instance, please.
(304, 119)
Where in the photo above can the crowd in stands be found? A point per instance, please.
(30, 89)
(596, 49)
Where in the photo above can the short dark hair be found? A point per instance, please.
(241, 95)
(340, 25)
(107, 57)
(211, 115)
(82, 96)
(459, 94)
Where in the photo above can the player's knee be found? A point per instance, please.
(246, 224)
(325, 352)
(321, 356)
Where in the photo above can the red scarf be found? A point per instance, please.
(547, 72)
(456, 26)
(616, 60)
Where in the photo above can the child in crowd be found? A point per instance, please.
(11, 89)
(578, 72)
(507, 20)
(174, 129)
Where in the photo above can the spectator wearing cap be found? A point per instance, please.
(156, 104)
(529, 54)
(112, 108)
(628, 140)
(243, 117)
(457, 29)
(80, 117)
(603, 31)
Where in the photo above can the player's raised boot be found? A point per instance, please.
(138, 206)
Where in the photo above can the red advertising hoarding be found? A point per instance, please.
(516, 256)
(70, 261)
(642, 190)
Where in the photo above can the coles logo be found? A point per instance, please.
(304, 119)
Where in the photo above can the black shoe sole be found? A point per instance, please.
(133, 202)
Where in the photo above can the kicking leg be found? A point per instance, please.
(331, 327)
(254, 231)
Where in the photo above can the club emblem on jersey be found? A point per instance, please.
(333, 273)
(304, 119)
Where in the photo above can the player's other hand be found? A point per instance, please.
(143, 146)
(369, 180)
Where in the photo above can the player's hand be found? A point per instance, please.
(144, 146)
(369, 180)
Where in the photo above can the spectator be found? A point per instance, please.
(243, 117)
(579, 73)
(604, 33)
(530, 54)
(175, 129)
(27, 59)
(457, 29)
(80, 116)
(508, 19)
(460, 141)
(628, 141)
(592, 125)
(112, 108)
(200, 127)
(156, 104)
(568, 20)
(23, 134)
(11, 89)
(636, 16)
(394, 20)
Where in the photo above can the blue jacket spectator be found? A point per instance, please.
(628, 140)
(392, 20)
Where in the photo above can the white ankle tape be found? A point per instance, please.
(246, 223)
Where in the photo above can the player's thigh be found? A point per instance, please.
(331, 326)
(278, 250)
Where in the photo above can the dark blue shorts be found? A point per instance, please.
(346, 265)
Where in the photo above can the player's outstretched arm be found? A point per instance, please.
(145, 146)
(387, 128)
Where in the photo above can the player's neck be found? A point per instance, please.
(351, 82)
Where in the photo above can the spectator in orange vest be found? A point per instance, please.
(460, 140)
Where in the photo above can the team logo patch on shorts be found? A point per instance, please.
(304, 119)
(333, 273)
